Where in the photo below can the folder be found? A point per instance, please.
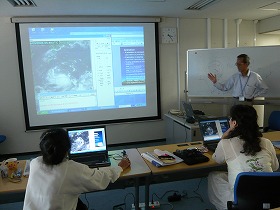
(161, 158)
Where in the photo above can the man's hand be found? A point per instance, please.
(212, 77)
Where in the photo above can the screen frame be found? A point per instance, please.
(29, 127)
(77, 154)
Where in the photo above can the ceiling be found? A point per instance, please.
(230, 9)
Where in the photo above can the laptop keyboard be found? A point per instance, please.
(212, 147)
(97, 163)
(191, 157)
(92, 161)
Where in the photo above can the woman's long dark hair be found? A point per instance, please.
(54, 146)
(247, 128)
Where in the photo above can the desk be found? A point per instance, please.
(273, 136)
(141, 171)
(178, 130)
(138, 172)
(178, 171)
(183, 171)
(14, 192)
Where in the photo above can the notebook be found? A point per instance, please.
(188, 109)
(89, 146)
(191, 116)
(212, 130)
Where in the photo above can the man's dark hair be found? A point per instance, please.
(245, 58)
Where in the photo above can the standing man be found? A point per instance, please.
(246, 84)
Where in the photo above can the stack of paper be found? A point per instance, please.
(276, 144)
(161, 158)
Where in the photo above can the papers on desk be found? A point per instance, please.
(161, 158)
(26, 168)
(276, 144)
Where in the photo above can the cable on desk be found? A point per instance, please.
(117, 156)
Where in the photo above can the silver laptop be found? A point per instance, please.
(212, 130)
(89, 146)
(191, 116)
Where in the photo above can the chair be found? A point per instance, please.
(256, 191)
(2, 138)
(273, 121)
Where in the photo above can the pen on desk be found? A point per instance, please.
(151, 158)
(155, 163)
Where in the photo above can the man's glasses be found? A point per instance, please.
(239, 64)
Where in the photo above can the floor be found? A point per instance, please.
(193, 192)
(193, 195)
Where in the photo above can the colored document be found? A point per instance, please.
(161, 158)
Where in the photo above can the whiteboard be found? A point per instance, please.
(221, 61)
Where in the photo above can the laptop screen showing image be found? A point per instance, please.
(213, 129)
(87, 140)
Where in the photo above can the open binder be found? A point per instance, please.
(161, 158)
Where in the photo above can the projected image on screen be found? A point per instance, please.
(88, 73)
(75, 72)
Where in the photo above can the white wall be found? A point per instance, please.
(192, 35)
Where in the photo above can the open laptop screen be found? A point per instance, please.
(213, 129)
(188, 109)
(87, 140)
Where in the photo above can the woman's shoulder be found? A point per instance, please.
(230, 140)
(265, 141)
(35, 160)
(76, 165)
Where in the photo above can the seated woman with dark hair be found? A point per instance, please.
(56, 182)
(243, 149)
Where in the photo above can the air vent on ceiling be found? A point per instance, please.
(201, 4)
(22, 3)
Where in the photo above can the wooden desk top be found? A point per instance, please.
(138, 169)
(9, 187)
(138, 166)
(180, 166)
(275, 135)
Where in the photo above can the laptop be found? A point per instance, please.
(191, 117)
(212, 130)
(89, 146)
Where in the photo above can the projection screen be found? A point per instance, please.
(88, 73)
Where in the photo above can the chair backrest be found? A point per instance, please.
(2, 138)
(274, 120)
(256, 190)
